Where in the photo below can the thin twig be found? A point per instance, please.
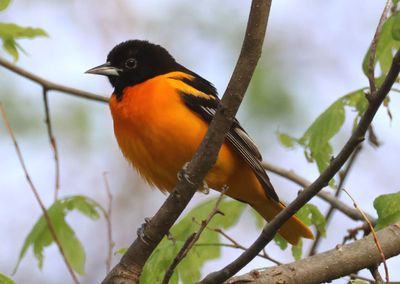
(52, 143)
(193, 238)
(234, 242)
(326, 196)
(374, 43)
(107, 216)
(50, 85)
(322, 181)
(378, 244)
(263, 255)
(343, 175)
(37, 196)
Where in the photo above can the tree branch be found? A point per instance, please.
(131, 264)
(50, 86)
(355, 139)
(330, 265)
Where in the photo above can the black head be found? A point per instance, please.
(135, 61)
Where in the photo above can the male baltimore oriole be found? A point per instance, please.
(161, 112)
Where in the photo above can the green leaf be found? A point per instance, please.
(9, 33)
(358, 281)
(281, 242)
(316, 138)
(121, 251)
(40, 237)
(188, 271)
(388, 43)
(287, 140)
(388, 208)
(396, 27)
(311, 215)
(5, 280)
(3, 5)
(297, 250)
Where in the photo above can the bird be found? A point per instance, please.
(161, 111)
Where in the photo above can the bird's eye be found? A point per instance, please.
(131, 63)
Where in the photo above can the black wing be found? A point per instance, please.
(236, 136)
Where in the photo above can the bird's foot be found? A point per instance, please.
(140, 231)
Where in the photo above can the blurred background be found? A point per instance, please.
(312, 55)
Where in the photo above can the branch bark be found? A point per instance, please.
(355, 139)
(131, 264)
(330, 265)
(50, 86)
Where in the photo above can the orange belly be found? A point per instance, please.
(159, 134)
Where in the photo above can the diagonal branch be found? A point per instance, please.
(130, 266)
(37, 197)
(326, 196)
(330, 265)
(355, 139)
(50, 86)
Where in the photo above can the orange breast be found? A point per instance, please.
(158, 134)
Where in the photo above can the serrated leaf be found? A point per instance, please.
(3, 5)
(388, 208)
(386, 46)
(18, 32)
(297, 250)
(40, 237)
(188, 271)
(9, 33)
(311, 215)
(5, 280)
(316, 138)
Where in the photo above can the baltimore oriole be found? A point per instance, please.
(161, 112)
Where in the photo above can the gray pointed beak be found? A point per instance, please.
(104, 69)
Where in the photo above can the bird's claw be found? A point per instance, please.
(140, 232)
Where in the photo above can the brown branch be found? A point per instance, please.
(326, 196)
(192, 239)
(322, 181)
(52, 143)
(330, 265)
(37, 196)
(235, 243)
(107, 215)
(50, 86)
(343, 175)
(131, 264)
(374, 43)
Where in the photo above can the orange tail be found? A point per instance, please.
(293, 230)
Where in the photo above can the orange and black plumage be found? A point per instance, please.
(161, 111)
